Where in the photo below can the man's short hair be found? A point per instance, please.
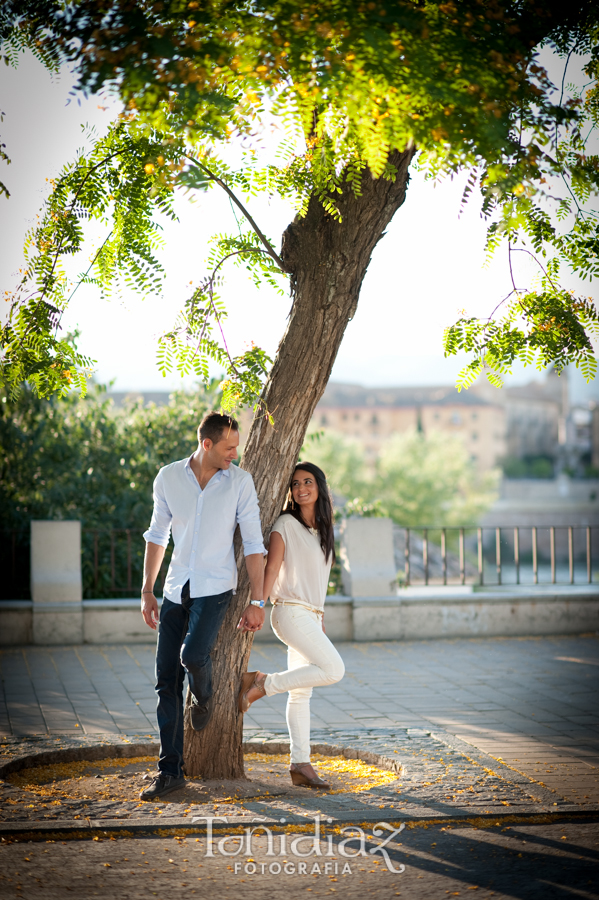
(213, 425)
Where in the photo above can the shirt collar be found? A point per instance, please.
(226, 472)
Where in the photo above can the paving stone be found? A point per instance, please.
(511, 698)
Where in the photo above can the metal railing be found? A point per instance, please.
(112, 562)
(461, 556)
(112, 559)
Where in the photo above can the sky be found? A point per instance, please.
(427, 268)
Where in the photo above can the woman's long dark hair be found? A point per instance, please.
(324, 508)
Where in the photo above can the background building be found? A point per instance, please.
(373, 415)
(533, 431)
(547, 434)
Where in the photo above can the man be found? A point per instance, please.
(202, 498)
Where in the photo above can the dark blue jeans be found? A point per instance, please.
(186, 635)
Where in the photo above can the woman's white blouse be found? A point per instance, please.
(304, 573)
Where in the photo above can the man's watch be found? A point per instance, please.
(259, 603)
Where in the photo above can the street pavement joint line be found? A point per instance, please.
(107, 661)
(83, 666)
(65, 690)
(134, 658)
(35, 693)
(26, 661)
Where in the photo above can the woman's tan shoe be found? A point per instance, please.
(249, 681)
(301, 779)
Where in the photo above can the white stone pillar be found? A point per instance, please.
(56, 582)
(367, 559)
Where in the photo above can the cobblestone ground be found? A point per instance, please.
(498, 742)
(532, 702)
(441, 777)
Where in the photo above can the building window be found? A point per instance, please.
(324, 420)
(374, 420)
(474, 436)
(344, 417)
(356, 416)
(474, 416)
(456, 419)
(436, 416)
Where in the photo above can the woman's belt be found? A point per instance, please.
(315, 609)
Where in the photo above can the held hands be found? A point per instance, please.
(149, 610)
(252, 619)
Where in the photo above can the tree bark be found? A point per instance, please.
(327, 261)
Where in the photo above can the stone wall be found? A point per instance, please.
(432, 614)
(373, 609)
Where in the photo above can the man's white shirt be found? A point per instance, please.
(203, 524)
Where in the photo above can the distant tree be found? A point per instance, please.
(74, 458)
(529, 467)
(419, 481)
(430, 481)
(343, 459)
(85, 459)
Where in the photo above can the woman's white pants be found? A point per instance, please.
(312, 661)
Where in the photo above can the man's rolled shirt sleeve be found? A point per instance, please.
(248, 518)
(160, 526)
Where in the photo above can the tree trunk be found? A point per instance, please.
(327, 260)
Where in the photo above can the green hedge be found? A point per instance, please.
(88, 460)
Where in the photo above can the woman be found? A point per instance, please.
(300, 555)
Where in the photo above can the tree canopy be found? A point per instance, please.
(347, 85)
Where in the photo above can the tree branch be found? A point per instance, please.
(538, 262)
(240, 206)
(501, 302)
(210, 286)
(72, 206)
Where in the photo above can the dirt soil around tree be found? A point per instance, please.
(122, 779)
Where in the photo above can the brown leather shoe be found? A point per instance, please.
(301, 779)
(249, 681)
